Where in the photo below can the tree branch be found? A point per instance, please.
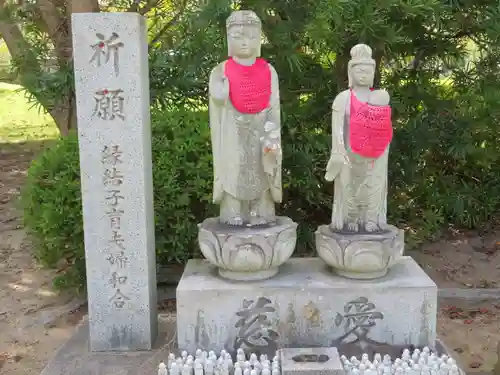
(83, 6)
(57, 29)
(19, 48)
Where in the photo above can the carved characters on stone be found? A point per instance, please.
(200, 332)
(111, 157)
(109, 104)
(245, 126)
(360, 315)
(361, 134)
(106, 49)
(255, 327)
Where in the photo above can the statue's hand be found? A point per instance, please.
(271, 140)
(335, 165)
(220, 90)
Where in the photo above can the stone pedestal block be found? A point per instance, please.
(305, 305)
(360, 255)
(247, 253)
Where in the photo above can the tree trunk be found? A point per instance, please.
(59, 30)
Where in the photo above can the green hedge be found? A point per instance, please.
(434, 181)
(182, 174)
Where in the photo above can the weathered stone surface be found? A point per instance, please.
(305, 305)
(311, 361)
(247, 253)
(112, 94)
(75, 358)
(360, 255)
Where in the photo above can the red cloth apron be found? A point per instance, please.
(370, 128)
(249, 86)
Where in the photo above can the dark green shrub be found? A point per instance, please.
(182, 174)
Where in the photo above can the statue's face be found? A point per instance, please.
(362, 74)
(244, 41)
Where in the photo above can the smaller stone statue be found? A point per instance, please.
(358, 243)
(247, 241)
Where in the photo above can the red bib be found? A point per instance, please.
(370, 128)
(249, 86)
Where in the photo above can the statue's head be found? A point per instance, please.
(243, 34)
(361, 67)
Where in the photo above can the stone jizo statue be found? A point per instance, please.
(247, 241)
(245, 125)
(361, 134)
(359, 243)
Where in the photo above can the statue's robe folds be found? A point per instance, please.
(239, 160)
(360, 193)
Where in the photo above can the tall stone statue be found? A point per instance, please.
(247, 241)
(361, 135)
(245, 127)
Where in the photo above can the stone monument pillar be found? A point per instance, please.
(247, 241)
(112, 94)
(359, 243)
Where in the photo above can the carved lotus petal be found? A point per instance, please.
(365, 255)
(284, 246)
(246, 254)
(209, 245)
(328, 250)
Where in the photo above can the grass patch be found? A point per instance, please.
(19, 120)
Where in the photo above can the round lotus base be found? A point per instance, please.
(247, 253)
(360, 255)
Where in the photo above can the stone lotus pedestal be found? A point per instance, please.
(247, 253)
(360, 255)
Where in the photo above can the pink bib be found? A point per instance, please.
(249, 86)
(370, 128)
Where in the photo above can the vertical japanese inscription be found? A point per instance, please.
(113, 178)
(109, 104)
(106, 49)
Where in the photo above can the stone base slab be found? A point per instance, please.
(305, 305)
(75, 358)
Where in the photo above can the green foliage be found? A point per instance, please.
(439, 60)
(182, 177)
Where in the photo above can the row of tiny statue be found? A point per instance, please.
(419, 362)
(207, 363)
(248, 241)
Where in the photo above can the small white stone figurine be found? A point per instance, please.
(162, 369)
(416, 363)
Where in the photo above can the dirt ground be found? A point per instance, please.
(29, 335)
